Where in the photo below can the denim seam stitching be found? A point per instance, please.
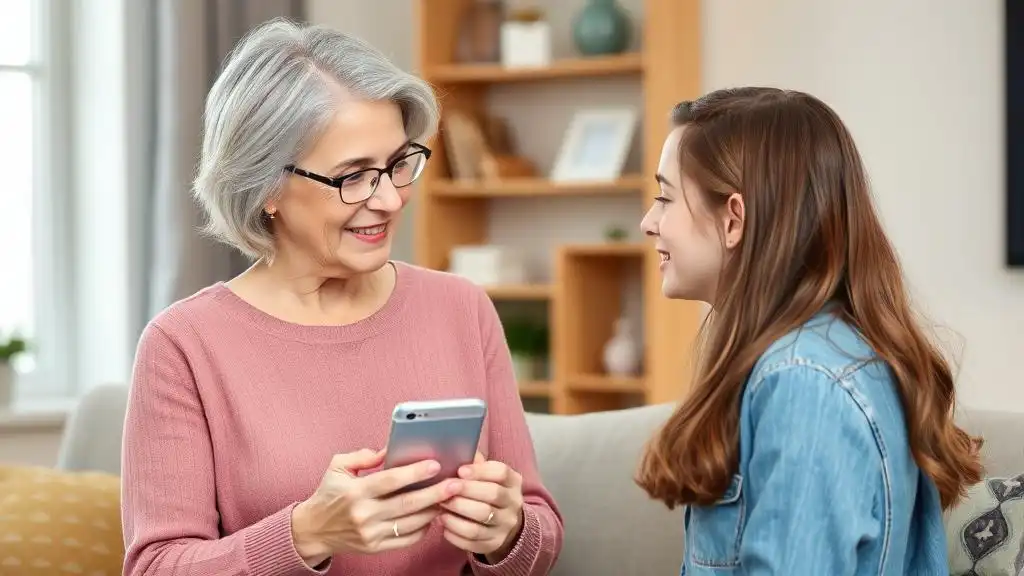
(876, 434)
(843, 381)
(741, 503)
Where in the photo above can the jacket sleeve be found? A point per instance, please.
(816, 472)
(169, 504)
(540, 540)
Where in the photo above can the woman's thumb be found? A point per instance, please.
(359, 460)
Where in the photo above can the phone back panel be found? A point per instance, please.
(447, 431)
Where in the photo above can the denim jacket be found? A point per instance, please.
(826, 484)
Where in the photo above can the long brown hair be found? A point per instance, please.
(811, 238)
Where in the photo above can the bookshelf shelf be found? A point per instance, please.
(520, 292)
(535, 187)
(602, 383)
(570, 68)
(535, 389)
(611, 249)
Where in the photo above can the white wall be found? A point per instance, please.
(920, 84)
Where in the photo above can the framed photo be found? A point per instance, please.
(596, 145)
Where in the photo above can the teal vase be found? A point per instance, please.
(602, 27)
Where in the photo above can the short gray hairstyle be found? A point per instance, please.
(271, 102)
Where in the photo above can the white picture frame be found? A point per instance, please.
(595, 145)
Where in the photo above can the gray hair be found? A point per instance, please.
(271, 102)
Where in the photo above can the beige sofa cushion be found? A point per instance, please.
(611, 526)
(54, 522)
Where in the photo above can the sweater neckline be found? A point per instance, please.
(389, 315)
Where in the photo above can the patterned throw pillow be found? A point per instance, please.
(985, 532)
(56, 522)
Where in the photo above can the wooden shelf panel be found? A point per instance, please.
(603, 383)
(618, 65)
(614, 249)
(534, 187)
(520, 292)
(535, 389)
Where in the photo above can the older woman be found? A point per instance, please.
(260, 406)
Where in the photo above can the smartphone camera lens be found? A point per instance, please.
(410, 416)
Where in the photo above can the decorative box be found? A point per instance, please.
(525, 44)
(488, 265)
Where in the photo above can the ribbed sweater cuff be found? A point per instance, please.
(522, 557)
(270, 550)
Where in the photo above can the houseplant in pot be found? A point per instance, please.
(10, 348)
(528, 343)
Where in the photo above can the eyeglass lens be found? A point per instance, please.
(361, 186)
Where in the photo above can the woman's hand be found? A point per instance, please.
(487, 514)
(361, 514)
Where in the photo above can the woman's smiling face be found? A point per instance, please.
(685, 235)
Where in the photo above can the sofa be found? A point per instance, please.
(587, 462)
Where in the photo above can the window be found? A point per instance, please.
(33, 301)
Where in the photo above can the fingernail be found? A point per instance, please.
(454, 487)
(465, 472)
(433, 467)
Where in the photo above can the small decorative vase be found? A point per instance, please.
(6, 386)
(602, 27)
(621, 353)
(524, 367)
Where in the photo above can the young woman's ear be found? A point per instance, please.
(734, 217)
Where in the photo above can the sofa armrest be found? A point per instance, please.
(92, 436)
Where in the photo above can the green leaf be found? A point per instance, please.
(526, 337)
(11, 347)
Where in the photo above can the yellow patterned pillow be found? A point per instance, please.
(58, 522)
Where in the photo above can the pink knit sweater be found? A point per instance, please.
(234, 416)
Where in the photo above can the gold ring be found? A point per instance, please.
(394, 528)
(489, 518)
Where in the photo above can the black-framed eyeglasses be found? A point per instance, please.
(359, 186)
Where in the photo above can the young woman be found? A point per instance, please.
(818, 437)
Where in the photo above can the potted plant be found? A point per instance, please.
(10, 348)
(615, 234)
(528, 342)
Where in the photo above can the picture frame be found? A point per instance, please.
(596, 145)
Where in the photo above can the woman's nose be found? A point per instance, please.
(386, 197)
(649, 224)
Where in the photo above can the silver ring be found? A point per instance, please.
(489, 518)
(394, 528)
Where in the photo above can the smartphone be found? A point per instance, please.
(447, 431)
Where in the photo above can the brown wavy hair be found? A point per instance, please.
(811, 238)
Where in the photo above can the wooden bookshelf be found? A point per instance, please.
(587, 281)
